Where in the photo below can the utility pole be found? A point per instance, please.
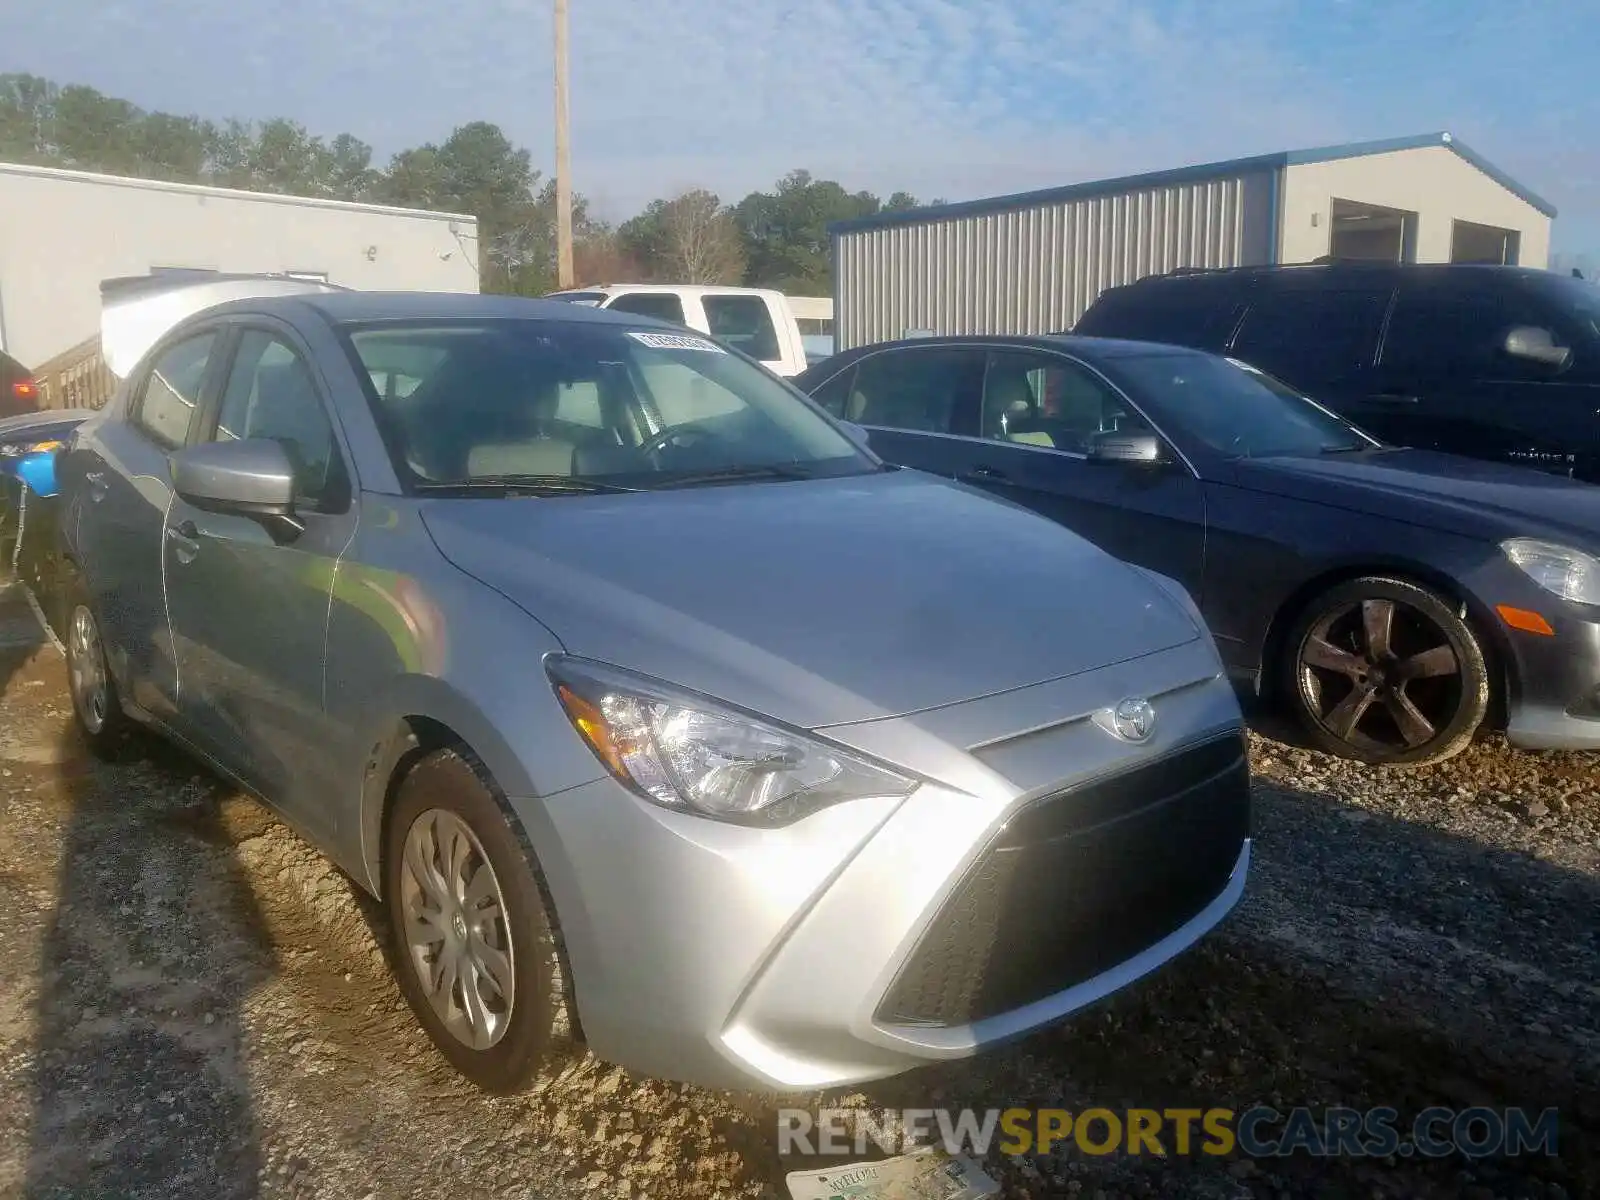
(563, 156)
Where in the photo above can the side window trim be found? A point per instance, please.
(210, 382)
(206, 429)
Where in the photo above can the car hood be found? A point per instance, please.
(817, 602)
(1440, 491)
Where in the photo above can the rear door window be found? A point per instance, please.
(744, 323)
(171, 391)
(1312, 335)
(932, 390)
(664, 306)
(1197, 316)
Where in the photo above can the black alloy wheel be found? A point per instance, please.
(1387, 672)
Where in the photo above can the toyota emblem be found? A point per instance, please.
(1134, 720)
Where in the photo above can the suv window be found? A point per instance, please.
(1453, 332)
(744, 323)
(664, 306)
(270, 394)
(1041, 400)
(1180, 314)
(1312, 335)
(172, 389)
(930, 390)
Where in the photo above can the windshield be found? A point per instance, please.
(1235, 411)
(506, 399)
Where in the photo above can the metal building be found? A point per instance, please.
(62, 232)
(1032, 262)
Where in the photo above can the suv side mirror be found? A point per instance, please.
(1130, 449)
(248, 478)
(1538, 345)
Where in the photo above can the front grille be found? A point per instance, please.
(1078, 883)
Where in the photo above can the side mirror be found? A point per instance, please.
(249, 478)
(1132, 449)
(1536, 345)
(858, 435)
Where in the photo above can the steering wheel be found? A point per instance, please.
(678, 435)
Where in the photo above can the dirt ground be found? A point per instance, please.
(196, 1004)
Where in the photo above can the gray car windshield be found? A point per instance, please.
(570, 403)
(1231, 410)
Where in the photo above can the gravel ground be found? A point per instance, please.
(197, 1005)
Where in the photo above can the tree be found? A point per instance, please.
(786, 230)
(691, 238)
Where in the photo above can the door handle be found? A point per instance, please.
(97, 485)
(1393, 398)
(982, 475)
(185, 539)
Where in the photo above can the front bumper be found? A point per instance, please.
(1553, 679)
(821, 954)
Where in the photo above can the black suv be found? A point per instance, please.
(1500, 363)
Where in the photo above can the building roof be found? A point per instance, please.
(1194, 174)
(205, 189)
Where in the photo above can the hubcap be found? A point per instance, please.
(1380, 675)
(87, 670)
(458, 939)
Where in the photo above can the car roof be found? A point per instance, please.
(1085, 347)
(1343, 271)
(673, 289)
(354, 306)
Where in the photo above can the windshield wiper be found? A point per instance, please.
(521, 485)
(733, 474)
(1350, 448)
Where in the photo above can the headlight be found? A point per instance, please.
(1570, 574)
(686, 752)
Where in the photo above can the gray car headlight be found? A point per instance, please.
(686, 752)
(1568, 573)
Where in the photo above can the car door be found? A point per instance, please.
(119, 500)
(1040, 410)
(249, 612)
(1444, 359)
(919, 404)
(1323, 340)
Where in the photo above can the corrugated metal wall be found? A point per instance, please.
(1035, 270)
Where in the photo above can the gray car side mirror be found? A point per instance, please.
(858, 435)
(248, 478)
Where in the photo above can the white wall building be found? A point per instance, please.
(1033, 262)
(62, 232)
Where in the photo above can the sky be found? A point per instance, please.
(948, 98)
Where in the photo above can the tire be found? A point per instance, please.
(498, 1043)
(1418, 691)
(96, 704)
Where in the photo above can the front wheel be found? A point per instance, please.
(1386, 672)
(476, 956)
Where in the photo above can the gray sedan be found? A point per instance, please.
(602, 655)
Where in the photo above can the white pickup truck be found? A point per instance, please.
(756, 321)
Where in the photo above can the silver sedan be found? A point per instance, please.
(600, 654)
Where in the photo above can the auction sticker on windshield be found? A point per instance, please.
(675, 341)
(926, 1174)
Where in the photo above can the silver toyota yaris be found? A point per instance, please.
(601, 654)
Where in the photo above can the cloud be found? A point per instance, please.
(955, 98)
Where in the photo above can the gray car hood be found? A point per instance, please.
(818, 602)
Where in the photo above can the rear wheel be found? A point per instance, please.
(1386, 672)
(476, 957)
(96, 707)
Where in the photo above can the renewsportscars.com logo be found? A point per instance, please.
(1260, 1132)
